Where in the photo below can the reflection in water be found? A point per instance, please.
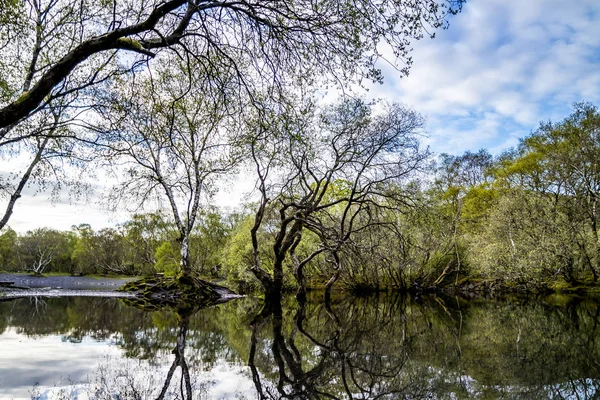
(179, 361)
(337, 365)
(360, 348)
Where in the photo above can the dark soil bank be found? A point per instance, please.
(64, 282)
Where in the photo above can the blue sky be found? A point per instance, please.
(501, 68)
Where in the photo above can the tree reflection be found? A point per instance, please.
(333, 363)
(287, 358)
(179, 361)
(435, 348)
(360, 348)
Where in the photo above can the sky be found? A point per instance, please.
(501, 68)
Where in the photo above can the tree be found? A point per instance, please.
(333, 170)
(271, 41)
(52, 164)
(143, 234)
(57, 55)
(209, 238)
(168, 259)
(8, 244)
(460, 190)
(46, 133)
(104, 251)
(40, 248)
(171, 137)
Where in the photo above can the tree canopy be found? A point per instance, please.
(84, 43)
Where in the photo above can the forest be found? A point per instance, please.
(406, 219)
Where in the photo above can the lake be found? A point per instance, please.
(384, 347)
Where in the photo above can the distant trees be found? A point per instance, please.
(42, 248)
(105, 251)
(144, 233)
(144, 245)
(550, 188)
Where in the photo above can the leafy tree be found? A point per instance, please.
(57, 57)
(208, 239)
(560, 163)
(462, 196)
(143, 234)
(30, 34)
(167, 259)
(105, 251)
(269, 41)
(171, 138)
(8, 244)
(337, 166)
(237, 255)
(44, 248)
(82, 256)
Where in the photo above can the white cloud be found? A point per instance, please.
(502, 67)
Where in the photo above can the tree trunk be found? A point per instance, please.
(184, 241)
(298, 271)
(594, 220)
(24, 179)
(299, 274)
(334, 278)
(277, 285)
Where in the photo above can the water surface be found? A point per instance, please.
(362, 348)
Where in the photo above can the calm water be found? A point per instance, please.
(363, 348)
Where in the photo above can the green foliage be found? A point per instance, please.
(168, 259)
(45, 250)
(476, 206)
(237, 257)
(209, 239)
(8, 256)
(529, 217)
(142, 235)
(546, 223)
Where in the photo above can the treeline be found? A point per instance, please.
(142, 246)
(527, 217)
